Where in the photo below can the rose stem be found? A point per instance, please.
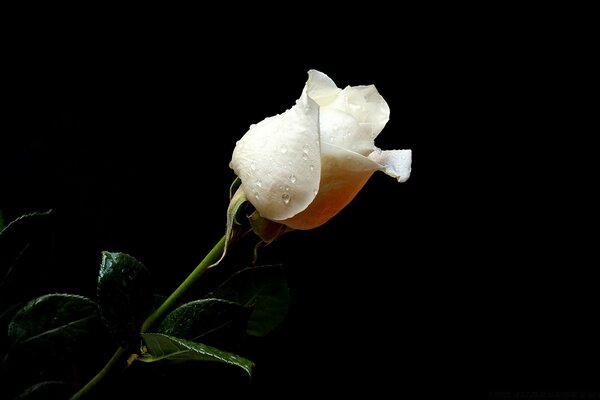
(211, 258)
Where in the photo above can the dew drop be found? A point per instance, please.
(252, 165)
(315, 191)
(306, 148)
(280, 187)
(312, 168)
(305, 156)
(292, 178)
(259, 183)
(256, 194)
(286, 198)
(287, 188)
(283, 149)
(331, 138)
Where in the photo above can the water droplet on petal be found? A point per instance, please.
(256, 194)
(252, 165)
(331, 138)
(286, 198)
(306, 148)
(315, 191)
(283, 149)
(259, 183)
(287, 188)
(292, 178)
(312, 168)
(305, 156)
(280, 187)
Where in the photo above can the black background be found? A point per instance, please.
(458, 280)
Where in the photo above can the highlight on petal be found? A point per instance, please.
(279, 163)
(368, 107)
(395, 163)
(321, 88)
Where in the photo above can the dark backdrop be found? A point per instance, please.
(435, 284)
(128, 140)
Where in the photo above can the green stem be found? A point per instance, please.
(211, 258)
(100, 375)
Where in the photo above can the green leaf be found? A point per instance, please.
(212, 321)
(124, 296)
(23, 271)
(163, 347)
(54, 324)
(16, 237)
(263, 288)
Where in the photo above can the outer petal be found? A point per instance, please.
(321, 88)
(278, 161)
(363, 103)
(338, 125)
(343, 174)
(368, 107)
(395, 163)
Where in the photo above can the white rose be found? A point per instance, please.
(302, 167)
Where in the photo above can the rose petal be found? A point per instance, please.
(341, 129)
(343, 174)
(362, 102)
(395, 163)
(321, 88)
(368, 107)
(278, 161)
